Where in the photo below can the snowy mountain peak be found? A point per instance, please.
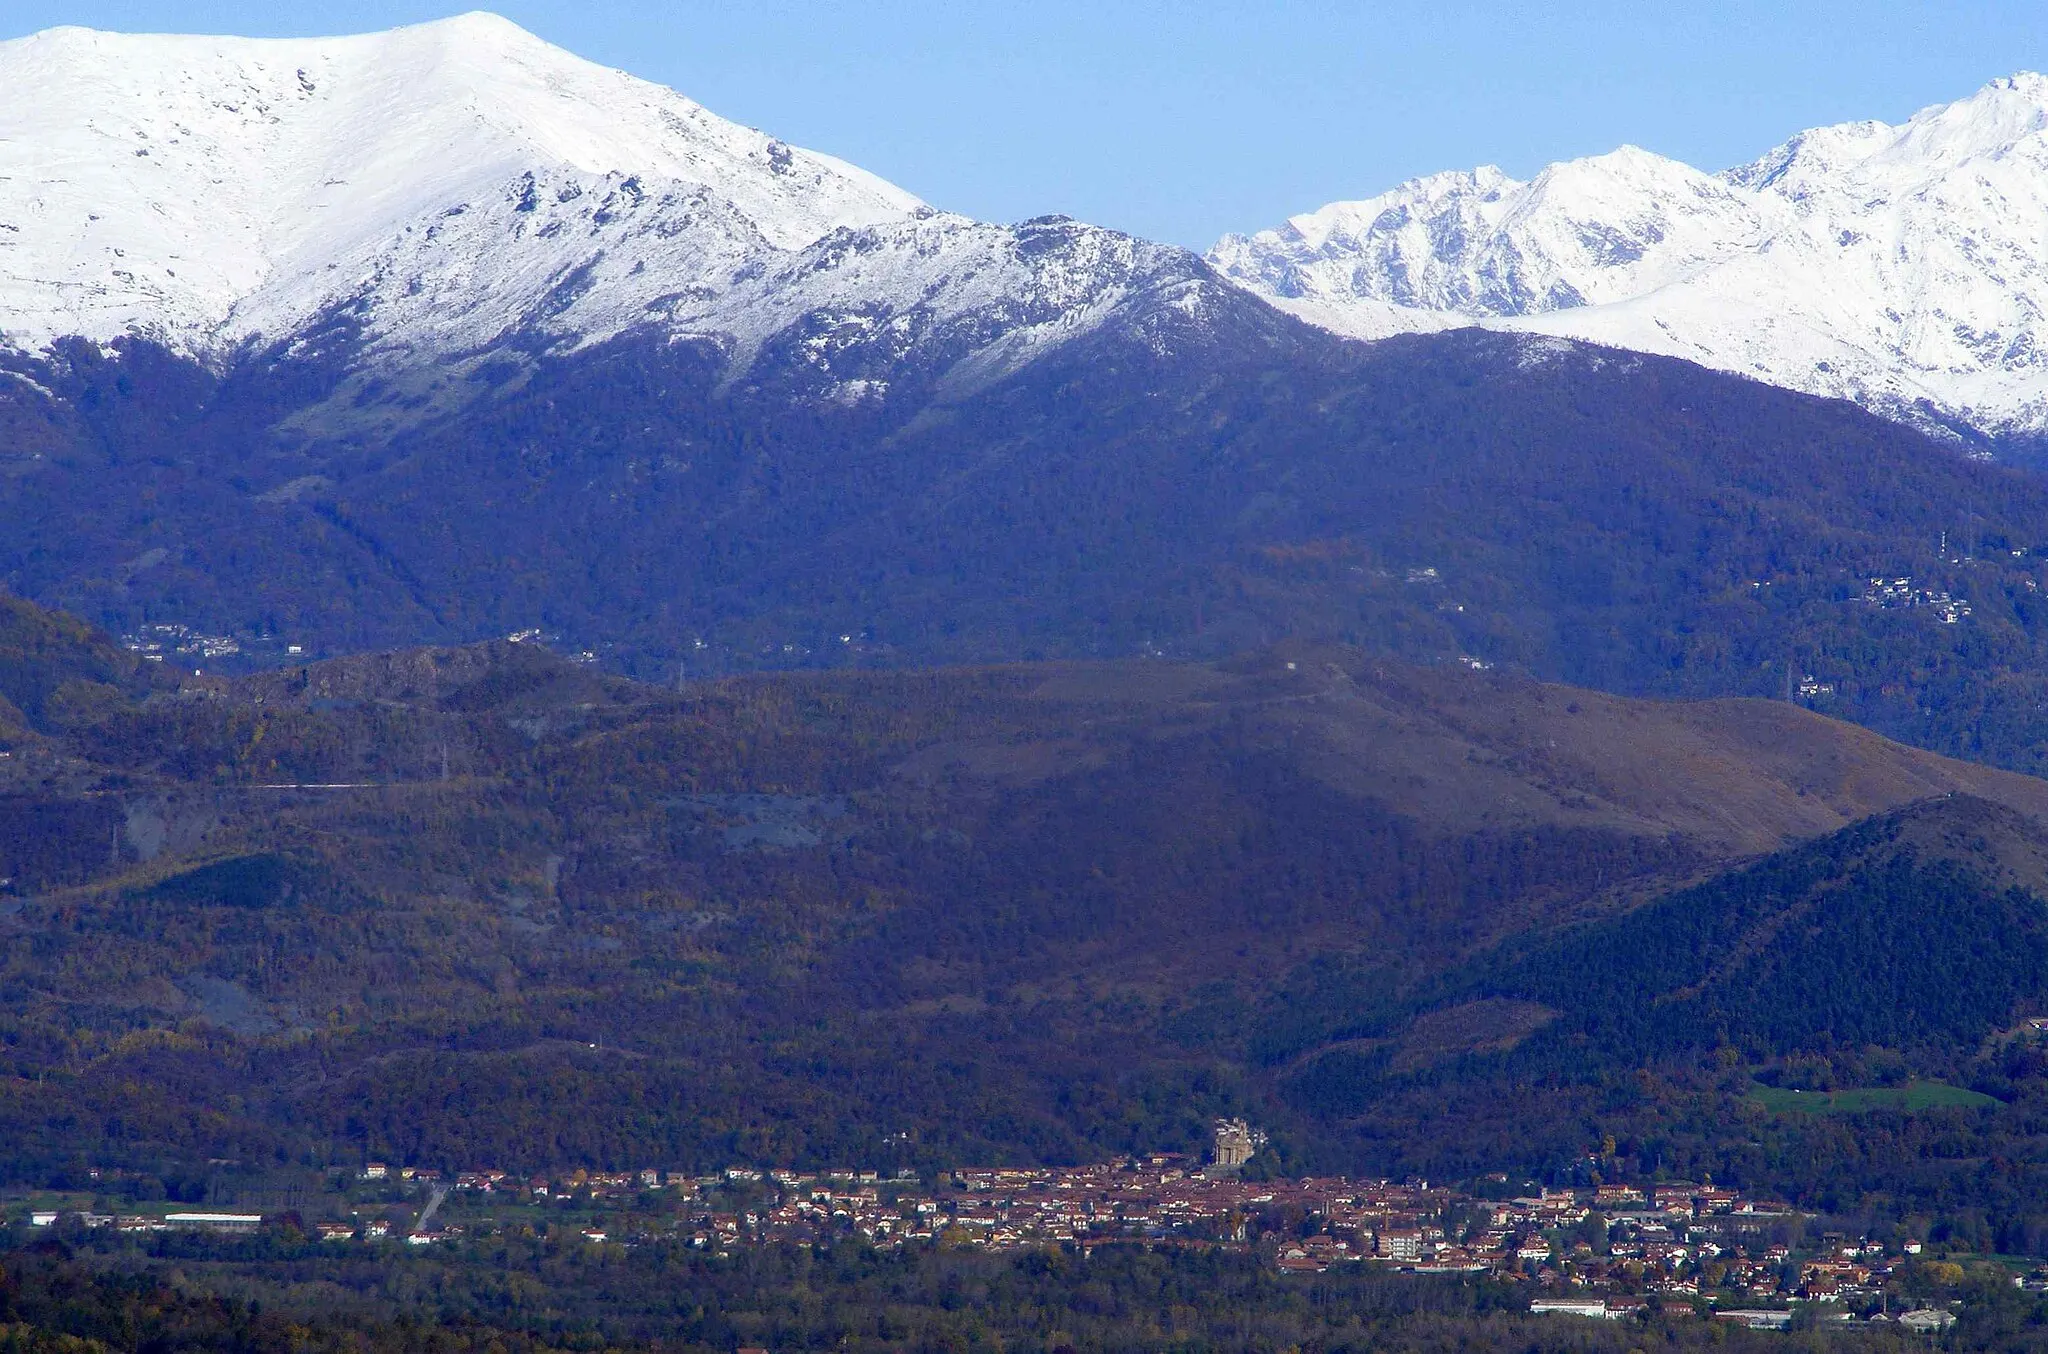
(212, 190)
(1902, 266)
(461, 189)
(479, 25)
(1482, 244)
(2000, 119)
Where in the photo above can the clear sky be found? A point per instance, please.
(1182, 121)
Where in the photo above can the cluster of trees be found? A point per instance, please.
(277, 1294)
(1877, 935)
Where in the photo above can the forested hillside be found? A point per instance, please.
(1909, 950)
(485, 905)
(1174, 485)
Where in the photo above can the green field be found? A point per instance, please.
(1914, 1095)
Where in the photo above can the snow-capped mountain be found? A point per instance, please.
(1905, 267)
(456, 184)
(452, 335)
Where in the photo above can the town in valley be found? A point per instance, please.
(1596, 1249)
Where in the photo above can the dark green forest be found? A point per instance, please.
(1903, 948)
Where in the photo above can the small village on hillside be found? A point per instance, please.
(1601, 1250)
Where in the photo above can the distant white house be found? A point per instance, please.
(216, 1222)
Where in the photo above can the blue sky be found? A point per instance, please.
(1182, 121)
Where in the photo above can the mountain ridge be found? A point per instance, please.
(1884, 264)
(263, 166)
(436, 199)
(624, 410)
(460, 194)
